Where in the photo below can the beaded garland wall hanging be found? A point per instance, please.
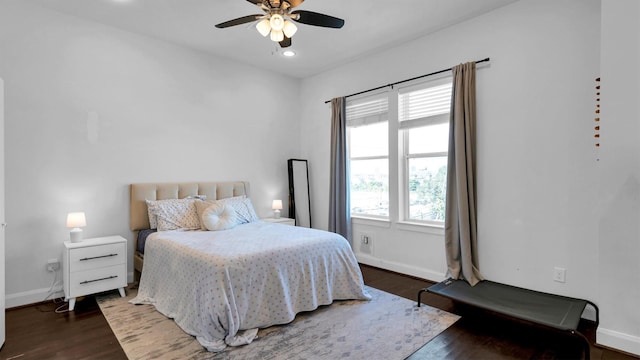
(596, 128)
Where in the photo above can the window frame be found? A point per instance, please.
(405, 156)
(398, 155)
(405, 168)
(372, 97)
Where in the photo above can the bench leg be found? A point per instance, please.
(585, 344)
(420, 295)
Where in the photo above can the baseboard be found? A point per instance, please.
(32, 297)
(619, 341)
(400, 268)
(39, 295)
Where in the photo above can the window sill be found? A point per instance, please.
(371, 221)
(435, 229)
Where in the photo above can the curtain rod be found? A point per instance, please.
(404, 81)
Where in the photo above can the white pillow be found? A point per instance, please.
(216, 216)
(251, 212)
(151, 212)
(201, 206)
(153, 205)
(173, 214)
(243, 207)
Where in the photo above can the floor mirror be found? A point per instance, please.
(299, 200)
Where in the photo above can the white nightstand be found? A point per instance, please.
(282, 220)
(94, 265)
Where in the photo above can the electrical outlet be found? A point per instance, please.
(559, 274)
(366, 243)
(53, 265)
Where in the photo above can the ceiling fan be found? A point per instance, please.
(276, 20)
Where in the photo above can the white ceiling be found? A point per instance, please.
(370, 26)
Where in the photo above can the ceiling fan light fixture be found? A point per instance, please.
(277, 22)
(277, 35)
(263, 27)
(289, 28)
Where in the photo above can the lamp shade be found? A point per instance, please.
(76, 220)
(289, 28)
(277, 22)
(263, 27)
(276, 205)
(277, 35)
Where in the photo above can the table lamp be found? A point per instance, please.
(276, 206)
(75, 221)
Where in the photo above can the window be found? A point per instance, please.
(416, 165)
(367, 132)
(423, 113)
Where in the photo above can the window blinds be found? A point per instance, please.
(420, 106)
(367, 111)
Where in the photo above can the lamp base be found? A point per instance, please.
(276, 214)
(75, 235)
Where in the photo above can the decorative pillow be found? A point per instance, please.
(201, 206)
(173, 214)
(251, 216)
(151, 212)
(216, 216)
(243, 207)
(152, 206)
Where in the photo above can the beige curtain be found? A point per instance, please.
(460, 219)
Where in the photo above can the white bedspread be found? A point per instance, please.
(221, 286)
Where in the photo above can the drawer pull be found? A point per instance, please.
(107, 278)
(98, 257)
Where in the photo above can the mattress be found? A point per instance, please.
(142, 239)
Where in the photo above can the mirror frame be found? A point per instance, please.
(300, 181)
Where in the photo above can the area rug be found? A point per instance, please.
(387, 327)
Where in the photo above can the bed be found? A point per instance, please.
(550, 311)
(221, 286)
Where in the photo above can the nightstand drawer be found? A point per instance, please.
(93, 257)
(97, 280)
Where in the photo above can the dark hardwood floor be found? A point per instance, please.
(37, 332)
(478, 335)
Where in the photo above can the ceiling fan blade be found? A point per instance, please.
(285, 43)
(239, 21)
(317, 19)
(294, 3)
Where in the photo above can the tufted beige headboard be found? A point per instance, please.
(139, 218)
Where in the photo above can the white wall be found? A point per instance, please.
(544, 200)
(536, 167)
(90, 109)
(619, 187)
